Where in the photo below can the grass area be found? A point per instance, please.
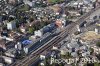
(24, 8)
(96, 64)
(55, 1)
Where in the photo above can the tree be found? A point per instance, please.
(98, 56)
(91, 50)
(77, 32)
(98, 44)
(55, 1)
(81, 11)
(17, 23)
(31, 30)
(42, 24)
(96, 64)
(85, 65)
(20, 55)
(24, 8)
(68, 55)
(73, 64)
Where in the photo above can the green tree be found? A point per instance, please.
(77, 32)
(85, 65)
(24, 8)
(73, 64)
(21, 55)
(98, 44)
(41, 24)
(96, 64)
(31, 30)
(68, 55)
(55, 1)
(91, 50)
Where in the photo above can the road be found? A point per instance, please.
(47, 46)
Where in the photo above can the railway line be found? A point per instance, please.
(47, 46)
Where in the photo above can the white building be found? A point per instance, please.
(84, 54)
(11, 25)
(26, 50)
(88, 1)
(78, 29)
(28, 2)
(42, 57)
(38, 33)
(18, 46)
(74, 54)
(1, 64)
(8, 59)
(32, 38)
(11, 53)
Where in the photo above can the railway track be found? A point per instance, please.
(53, 41)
